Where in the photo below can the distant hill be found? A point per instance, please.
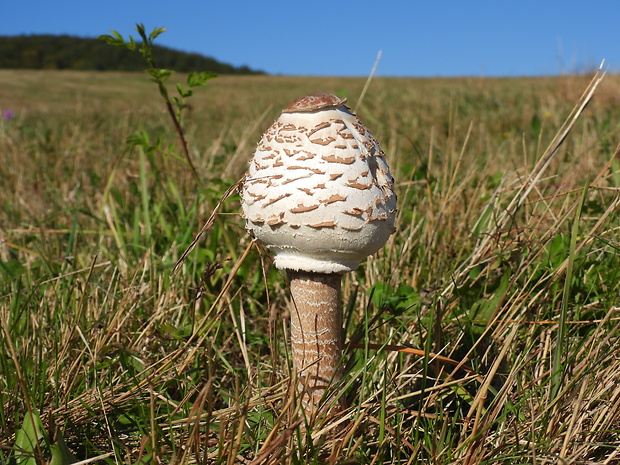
(68, 52)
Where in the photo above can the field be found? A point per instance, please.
(505, 261)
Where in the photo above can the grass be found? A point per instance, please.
(506, 260)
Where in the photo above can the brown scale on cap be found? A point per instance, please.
(314, 102)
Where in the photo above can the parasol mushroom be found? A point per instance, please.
(318, 195)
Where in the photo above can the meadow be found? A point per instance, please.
(505, 263)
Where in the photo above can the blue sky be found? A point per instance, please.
(338, 38)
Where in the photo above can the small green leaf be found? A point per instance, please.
(61, 455)
(199, 79)
(396, 301)
(132, 44)
(28, 440)
(160, 75)
(113, 39)
(168, 331)
(140, 29)
(184, 93)
(180, 106)
(156, 32)
(381, 293)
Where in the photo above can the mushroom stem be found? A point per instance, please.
(316, 334)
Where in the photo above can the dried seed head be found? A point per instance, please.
(318, 192)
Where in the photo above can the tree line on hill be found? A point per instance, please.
(68, 52)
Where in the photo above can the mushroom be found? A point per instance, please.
(318, 195)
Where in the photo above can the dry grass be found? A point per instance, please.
(506, 261)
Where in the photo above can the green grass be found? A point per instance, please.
(506, 259)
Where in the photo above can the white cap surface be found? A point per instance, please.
(318, 192)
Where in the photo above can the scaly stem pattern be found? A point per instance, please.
(316, 334)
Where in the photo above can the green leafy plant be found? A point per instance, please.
(175, 104)
(31, 442)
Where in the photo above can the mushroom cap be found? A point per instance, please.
(318, 192)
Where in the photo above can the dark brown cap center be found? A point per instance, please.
(314, 102)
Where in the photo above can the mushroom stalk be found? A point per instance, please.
(316, 333)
